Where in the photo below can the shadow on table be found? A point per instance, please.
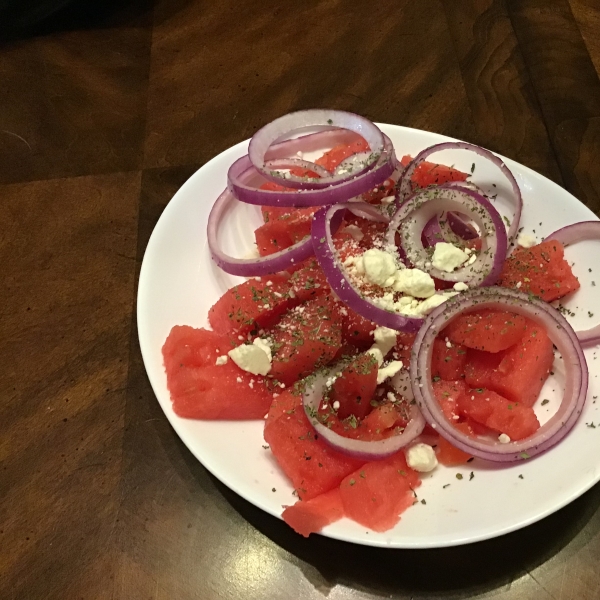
(464, 570)
(21, 19)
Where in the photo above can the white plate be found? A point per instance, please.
(179, 283)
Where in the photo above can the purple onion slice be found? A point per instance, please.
(561, 335)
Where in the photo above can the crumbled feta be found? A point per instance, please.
(414, 282)
(377, 265)
(251, 358)
(421, 458)
(472, 259)
(387, 200)
(434, 301)
(460, 286)
(265, 345)
(355, 232)
(388, 371)
(221, 360)
(385, 339)
(376, 352)
(447, 257)
(526, 241)
(503, 438)
(336, 405)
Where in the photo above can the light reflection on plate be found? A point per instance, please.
(178, 284)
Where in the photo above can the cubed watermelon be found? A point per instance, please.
(376, 494)
(252, 305)
(540, 270)
(201, 389)
(306, 337)
(310, 516)
(355, 387)
(486, 329)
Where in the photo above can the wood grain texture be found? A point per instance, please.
(567, 87)
(73, 103)
(66, 311)
(104, 113)
(218, 75)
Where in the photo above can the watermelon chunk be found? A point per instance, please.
(428, 173)
(310, 516)
(498, 413)
(488, 330)
(252, 305)
(312, 465)
(448, 363)
(355, 387)
(540, 270)
(376, 494)
(307, 337)
(201, 389)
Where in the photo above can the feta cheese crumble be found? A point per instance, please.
(221, 360)
(421, 458)
(526, 240)
(251, 358)
(503, 438)
(447, 257)
(377, 265)
(414, 282)
(388, 371)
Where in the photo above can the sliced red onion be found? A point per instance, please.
(367, 211)
(448, 227)
(287, 124)
(579, 232)
(405, 190)
(244, 180)
(369, 450)
(334, 272)
(561, 335)
(414, 214)
(255, 266)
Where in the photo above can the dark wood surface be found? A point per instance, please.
(104, 113)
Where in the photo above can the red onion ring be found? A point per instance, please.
(423, 205)
(248, 267)
(561, 335)
(373, 450)
(405, 190)
(334, 272)
(579, 232)
(448, 227)
(286, 125)
(244, 181)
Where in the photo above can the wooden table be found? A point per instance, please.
(104, 113)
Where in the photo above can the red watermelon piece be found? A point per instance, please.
(428, 173)
(252, 305)
(498, 413)
(486, 329)
(540, 270)
(201, 389)
(313, 466)
(376, 494)
(306, 337)
(355, 387)
(448, 360)
(310, 516)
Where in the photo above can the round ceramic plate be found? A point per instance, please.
(179, 283)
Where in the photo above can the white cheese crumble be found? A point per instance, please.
(355, 232)
(388, 371)
(414, 282)
(376, 353)
(265, 345)
(460, 286)
(385, 339)
(526, 240)
(377, 265)
(503, 438)
(421, 458)
(251, 358)
(221, 360)
(447, 257)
